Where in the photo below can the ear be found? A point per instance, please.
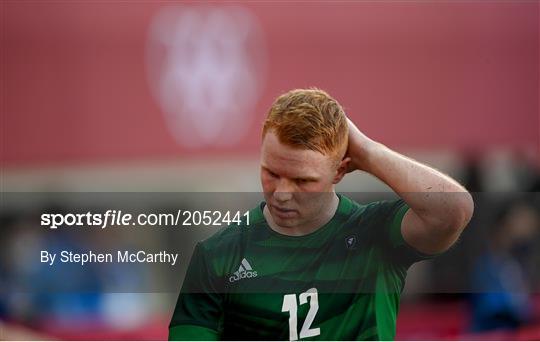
(342, 169)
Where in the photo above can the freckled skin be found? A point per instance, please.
(300, 180)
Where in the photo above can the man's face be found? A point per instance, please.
(298, 183)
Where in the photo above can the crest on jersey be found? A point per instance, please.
(350, 242)
(206, 69)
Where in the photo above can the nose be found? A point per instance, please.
(284, 191)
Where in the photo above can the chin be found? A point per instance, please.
(285, 222)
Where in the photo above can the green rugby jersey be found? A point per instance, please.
(341, 282)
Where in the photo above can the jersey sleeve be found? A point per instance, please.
(198, 311)
(391, 213)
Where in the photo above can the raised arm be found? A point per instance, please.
(440, 208)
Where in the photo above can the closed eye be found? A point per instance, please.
(271, 174)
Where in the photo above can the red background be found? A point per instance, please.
(439, 75)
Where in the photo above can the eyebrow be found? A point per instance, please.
(307, 178)
(267, 169)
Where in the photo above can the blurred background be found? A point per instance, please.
(143, 97)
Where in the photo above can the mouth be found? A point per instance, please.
(283, 212)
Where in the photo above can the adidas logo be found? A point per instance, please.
(244, 271)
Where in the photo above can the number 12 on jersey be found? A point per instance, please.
(290, 305)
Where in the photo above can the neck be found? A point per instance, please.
(309, 227)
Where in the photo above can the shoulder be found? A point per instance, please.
(223, 251)
(234, 234)
(383, 210)
(370, 210)
(377, 218)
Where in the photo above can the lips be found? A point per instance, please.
(283, 212)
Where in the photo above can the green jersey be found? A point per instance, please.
(341, 282)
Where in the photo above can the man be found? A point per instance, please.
(312, 263)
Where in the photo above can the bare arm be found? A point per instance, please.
(440, 208)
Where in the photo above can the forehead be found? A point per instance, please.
(292, 162)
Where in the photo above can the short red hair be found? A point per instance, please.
(309, 119)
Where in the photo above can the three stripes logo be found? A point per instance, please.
(244, 271)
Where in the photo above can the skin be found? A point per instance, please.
(301, 181)
(304, 181)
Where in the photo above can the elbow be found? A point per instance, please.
(455, 214)
(467, 209)
(446, 227)
(463, 210)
